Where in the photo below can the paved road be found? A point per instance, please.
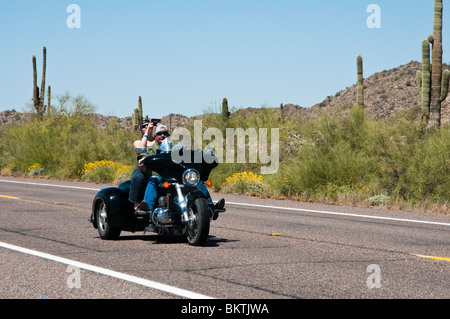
(259, 248)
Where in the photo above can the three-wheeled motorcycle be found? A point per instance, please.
(181, 209)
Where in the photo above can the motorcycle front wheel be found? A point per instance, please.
(197, 227)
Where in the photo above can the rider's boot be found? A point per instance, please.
(144, 206)
(219, 207)
(142, 209)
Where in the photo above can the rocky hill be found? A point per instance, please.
(385, 93)
(172, 120)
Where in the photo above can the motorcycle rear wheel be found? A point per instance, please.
(197, 228)
(104, 228)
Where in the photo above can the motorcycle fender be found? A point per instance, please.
(194, 195)
(117, 206)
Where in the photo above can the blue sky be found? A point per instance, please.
(185, 56)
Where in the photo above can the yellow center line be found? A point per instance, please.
(10, 197)
(29, 201)
(432, 257)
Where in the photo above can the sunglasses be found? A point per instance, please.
(163, 133)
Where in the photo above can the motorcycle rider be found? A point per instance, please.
(154, 180)
(140, 176)
(150, 195)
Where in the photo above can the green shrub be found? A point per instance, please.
(427, 170)
(106, 171)
(245, 182)
(62, 145)
(379, 200)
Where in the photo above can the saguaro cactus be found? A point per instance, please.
(281, 112)
(436, 68)
(225, 112)
(445, 85)
(38, 97)
(424, 80)
(48, 100)
(137, 115)
(360, 83)
(432, 83)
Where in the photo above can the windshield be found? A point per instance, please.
(166, 146)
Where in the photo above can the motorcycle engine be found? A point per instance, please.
(161, 216)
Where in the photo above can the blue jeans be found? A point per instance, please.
(151, 192)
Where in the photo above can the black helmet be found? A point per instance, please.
(144, 123)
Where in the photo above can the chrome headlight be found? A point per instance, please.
(191, 177)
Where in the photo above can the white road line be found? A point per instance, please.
(340, 214)
(270, 207)
(136, 280)
(51, 185)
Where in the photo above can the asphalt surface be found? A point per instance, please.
(258, 249)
